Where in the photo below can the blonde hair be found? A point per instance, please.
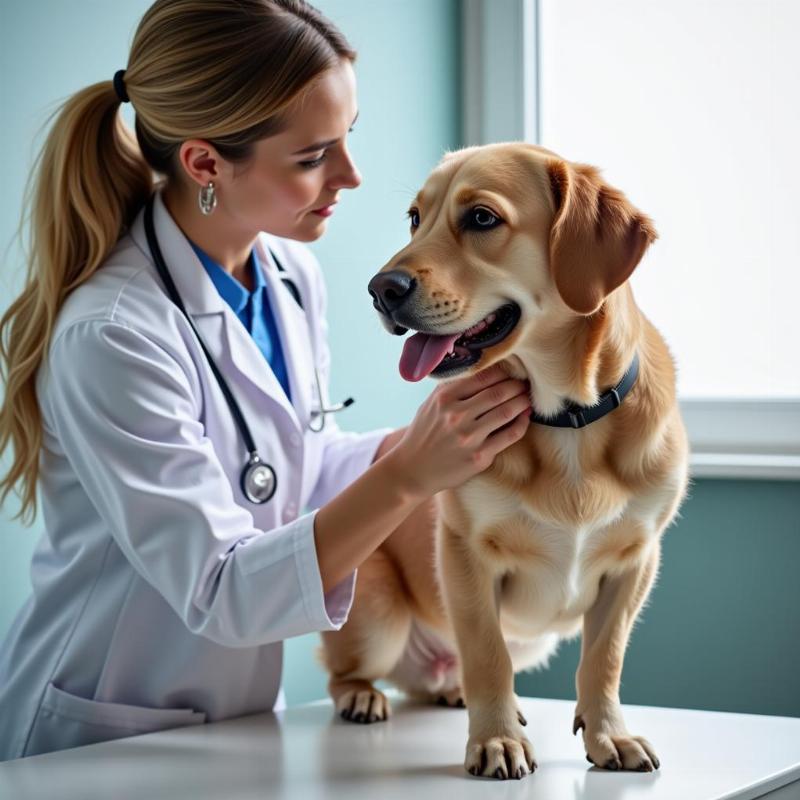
(221, 70)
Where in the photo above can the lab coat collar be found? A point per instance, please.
(233, 292)
(204, 304)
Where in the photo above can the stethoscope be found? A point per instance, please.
(258, 479)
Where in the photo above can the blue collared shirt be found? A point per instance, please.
(252, 308)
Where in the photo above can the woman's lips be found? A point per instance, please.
(325, 211)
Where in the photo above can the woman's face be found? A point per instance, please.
(291, 186)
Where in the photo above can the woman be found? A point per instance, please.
(169, 571)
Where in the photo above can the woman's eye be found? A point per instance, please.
(413, 215)
(482, 218)
(315, 162)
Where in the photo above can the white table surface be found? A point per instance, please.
(307, 752)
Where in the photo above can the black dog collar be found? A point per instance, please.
(575, 416)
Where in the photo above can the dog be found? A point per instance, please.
(560, 536)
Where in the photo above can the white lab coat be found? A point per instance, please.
(160, 593)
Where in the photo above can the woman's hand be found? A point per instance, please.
(460, 428)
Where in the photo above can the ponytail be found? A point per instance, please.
(89, 181)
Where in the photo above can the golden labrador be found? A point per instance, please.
(521, 257)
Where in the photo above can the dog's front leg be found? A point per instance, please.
(606, 629)
(497, 747)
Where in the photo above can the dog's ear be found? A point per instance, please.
(597, 237)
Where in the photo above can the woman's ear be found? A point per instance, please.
(597, 237)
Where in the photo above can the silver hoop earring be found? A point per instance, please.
(207, 198)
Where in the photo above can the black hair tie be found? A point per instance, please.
(119, 86)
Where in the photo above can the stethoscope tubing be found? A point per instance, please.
(161, 266)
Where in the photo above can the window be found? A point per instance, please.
(690, 108)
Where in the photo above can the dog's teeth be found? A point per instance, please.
(477, 328)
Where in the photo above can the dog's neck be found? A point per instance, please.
(575, 359)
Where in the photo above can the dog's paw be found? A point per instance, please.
(504, 756)
(453, 698)
(363, 705)
(609, 746)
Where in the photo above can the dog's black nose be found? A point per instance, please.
(391, 289)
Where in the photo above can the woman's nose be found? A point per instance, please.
(348, 177)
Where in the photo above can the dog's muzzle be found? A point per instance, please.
(431, 352)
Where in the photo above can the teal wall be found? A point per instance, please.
(721, 630)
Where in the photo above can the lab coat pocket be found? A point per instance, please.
(66, 720)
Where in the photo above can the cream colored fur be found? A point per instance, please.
(561, 535)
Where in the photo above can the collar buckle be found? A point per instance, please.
(577, 420)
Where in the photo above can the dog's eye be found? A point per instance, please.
(482, 219)
(413, 215)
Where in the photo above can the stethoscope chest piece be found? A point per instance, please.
(258, 480)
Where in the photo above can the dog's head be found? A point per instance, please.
(503, 237)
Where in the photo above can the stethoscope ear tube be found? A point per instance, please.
(290, 285)
(323, 411)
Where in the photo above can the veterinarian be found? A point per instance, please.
(167, 372)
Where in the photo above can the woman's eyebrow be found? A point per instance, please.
(321, 145)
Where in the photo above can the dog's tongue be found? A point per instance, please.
(422, 353)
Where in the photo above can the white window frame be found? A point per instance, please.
(729, 437)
